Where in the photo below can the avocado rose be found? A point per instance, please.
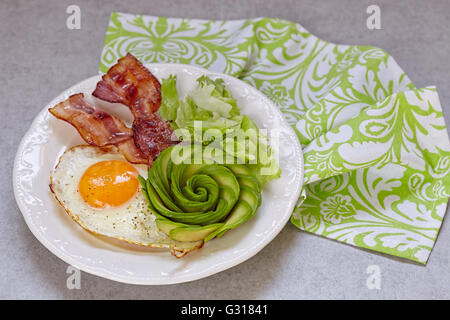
(194, 201)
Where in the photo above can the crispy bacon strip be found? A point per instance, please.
(152, 136)
(130, 83)
(133, 154)
(97, 127)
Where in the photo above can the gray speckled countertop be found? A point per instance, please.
(40, 58)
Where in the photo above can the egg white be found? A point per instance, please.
(132, 222)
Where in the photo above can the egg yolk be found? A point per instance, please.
(108, 183)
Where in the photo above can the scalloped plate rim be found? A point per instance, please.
(102, 272)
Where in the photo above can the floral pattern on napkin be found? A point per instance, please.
(377, 153)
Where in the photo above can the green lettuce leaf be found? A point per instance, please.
(213, 104)
(220, 92)
(252, 148)
(169, 102)
(204, 99)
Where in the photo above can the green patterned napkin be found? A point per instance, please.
(377, 154)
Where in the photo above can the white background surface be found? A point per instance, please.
(40, 58)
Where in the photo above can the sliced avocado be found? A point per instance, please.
(155, 201)
(223, 177)
(199, 194)
(166, 225)
(251, 197)
(193, 233)
(159, 182)
(164, 160)
(239, 169)
(249, 181)
(240, 213)
(248, 203)
(227, 194)
(200, 201)
(190, 171)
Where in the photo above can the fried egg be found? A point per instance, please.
(100, 190)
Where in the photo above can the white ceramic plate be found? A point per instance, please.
(48, 138)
